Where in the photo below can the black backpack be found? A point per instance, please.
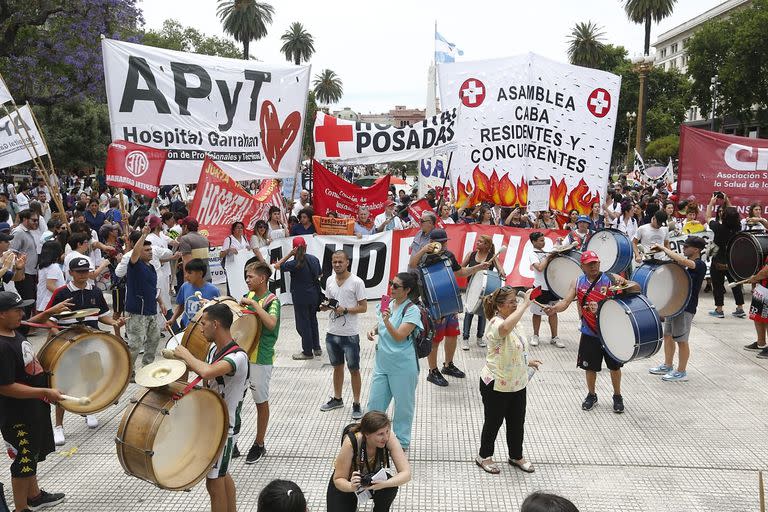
(422, 341)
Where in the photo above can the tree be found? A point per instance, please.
(298, 44)
(174, 36)
(645, 11)
(308, 145)
(663, 149)
(328, 87)
(586, 45)
(735, 49)
(245, 20)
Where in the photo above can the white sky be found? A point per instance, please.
(382, 50)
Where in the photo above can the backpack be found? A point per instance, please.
(422, 341)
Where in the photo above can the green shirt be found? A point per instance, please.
(265, 350)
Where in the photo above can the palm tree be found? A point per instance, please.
(328, 87)
(245, 20)
(298, 44)
(586, 45)
(643, 11)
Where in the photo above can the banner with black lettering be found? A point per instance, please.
(246, 115)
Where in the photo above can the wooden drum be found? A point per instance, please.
(172, 443)
(246, 329)
(81, 361)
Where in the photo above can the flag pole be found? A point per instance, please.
(48, 182)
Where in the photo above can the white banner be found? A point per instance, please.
(17, 130)
(371, 143)
(528, 117)
(247, 115)
(432, 175)
(5, 94)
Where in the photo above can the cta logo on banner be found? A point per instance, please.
(527, 117)
(14, 139)
(370, 143)
(333, 194)
(245, 114)
(715, 162)
(135, 167)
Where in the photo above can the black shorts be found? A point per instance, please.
(32, 442)
(591, 355)
(546, 297)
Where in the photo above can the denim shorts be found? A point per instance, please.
(343, 347)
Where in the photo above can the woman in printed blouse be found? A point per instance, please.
(504, 377)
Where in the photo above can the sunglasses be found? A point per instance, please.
(394, 285)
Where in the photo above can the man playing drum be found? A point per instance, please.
(538, 263)
(226, 372)
(678, 328)
(590, 289)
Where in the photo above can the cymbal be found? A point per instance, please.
(160, 373)
(80, 313)
(620, 287)
(564, 248)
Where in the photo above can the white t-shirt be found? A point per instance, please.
(240, 245)
(348, 295)
(394, 223)
(158, 241)
(538, 277)
(72, 255)
(647, 235)
(43, 275)
(234, 384)
(629, 228)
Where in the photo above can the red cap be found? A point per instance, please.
(298, 241)
(190, 222)
(589, 257)
(154, 221)
(389, 203)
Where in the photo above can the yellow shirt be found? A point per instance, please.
(505, 362)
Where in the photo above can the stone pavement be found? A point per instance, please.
(693, 446)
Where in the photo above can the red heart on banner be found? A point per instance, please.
(276, 139)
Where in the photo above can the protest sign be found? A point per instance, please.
(245, 114)
(538, 195)
(333, 226)
(371, 143)
(432, 173)
(417, 209)
(18, 133)
(712, 162)
(333, 194)
(527, 117)
(135, 167)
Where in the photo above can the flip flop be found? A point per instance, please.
(525, 466)
(487, 465)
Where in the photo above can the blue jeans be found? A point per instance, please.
(468, 325)
(343, 347)
(401, 388)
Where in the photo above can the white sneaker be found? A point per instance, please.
(92, 421)
(464, 344)
(534, 341)
(481, 342)
(58, 435)
(556, 342)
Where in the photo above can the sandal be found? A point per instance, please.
(524, 466)
(487, 465)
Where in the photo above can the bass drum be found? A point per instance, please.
(246, 329)
(666, 284)
(561, 271)
(483, 283)
(746, 253)
(613, 248)
(630, 327)
(81, 361)
(172, 443)
(440, 289)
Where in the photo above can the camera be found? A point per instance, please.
(365, 480)
(719, 195)
(332, 303)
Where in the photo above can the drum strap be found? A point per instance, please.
(191, 385)
(591, 287)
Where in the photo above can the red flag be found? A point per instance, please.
(334, 194)
(220, 201)
(416, 209)
(135, 167)
(268, 195)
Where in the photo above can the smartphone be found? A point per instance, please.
(385, 300)
(535, 293)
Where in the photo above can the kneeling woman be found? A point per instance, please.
(365, 450)
(504, 377)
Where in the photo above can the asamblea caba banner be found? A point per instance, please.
(18, 133)
(246, 115)
(715, 162)
(528, 118)
(371, 143)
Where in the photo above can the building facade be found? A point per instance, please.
(400, 116)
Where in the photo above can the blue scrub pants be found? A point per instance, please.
(401, 388)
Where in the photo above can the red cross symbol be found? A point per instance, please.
(330, 134)
(599, 102)
(472, 92)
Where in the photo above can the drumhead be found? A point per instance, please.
(175, 341)
(474, 291)
(746, 253)
(561, 272)
(616, 330)
(668, 289)
(604, 244)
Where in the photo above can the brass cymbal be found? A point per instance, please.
(160, 373)
(80, 313)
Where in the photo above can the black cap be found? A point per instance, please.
(10, 300)
(5, 237)
(438, 235)
(79, 264)
(696, 241)
(535, 236)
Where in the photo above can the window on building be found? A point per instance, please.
(675, 47)
(753, 131)
(673, 64)
(685, 42)
(663, 52)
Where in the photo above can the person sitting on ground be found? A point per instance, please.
(281, 496)
(543, 502)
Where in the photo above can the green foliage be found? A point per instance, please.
(663, 149)
(736, 50)
(245, 20)
(174, 36)
(328, 87)
(298, 44)
(586, 45)
(308, 146)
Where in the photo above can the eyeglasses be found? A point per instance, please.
(394, 285)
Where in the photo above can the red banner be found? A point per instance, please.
(220, 201)
(712, 162)
(462, 239)
(334, 194)
(416, 209)
(135, 167)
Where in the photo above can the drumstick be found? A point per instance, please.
(83, 400)
(738, 283)
(39, 326)
(761, 490)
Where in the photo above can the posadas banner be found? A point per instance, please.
(714, 162)
(246, 115)
(333, 194)
(18, 135)
(371, 143)
(527, 117)
(135, 167)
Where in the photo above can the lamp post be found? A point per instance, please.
(631, 117)
(643, 66)
(714, 83)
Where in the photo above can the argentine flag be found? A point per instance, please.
(445, 51)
